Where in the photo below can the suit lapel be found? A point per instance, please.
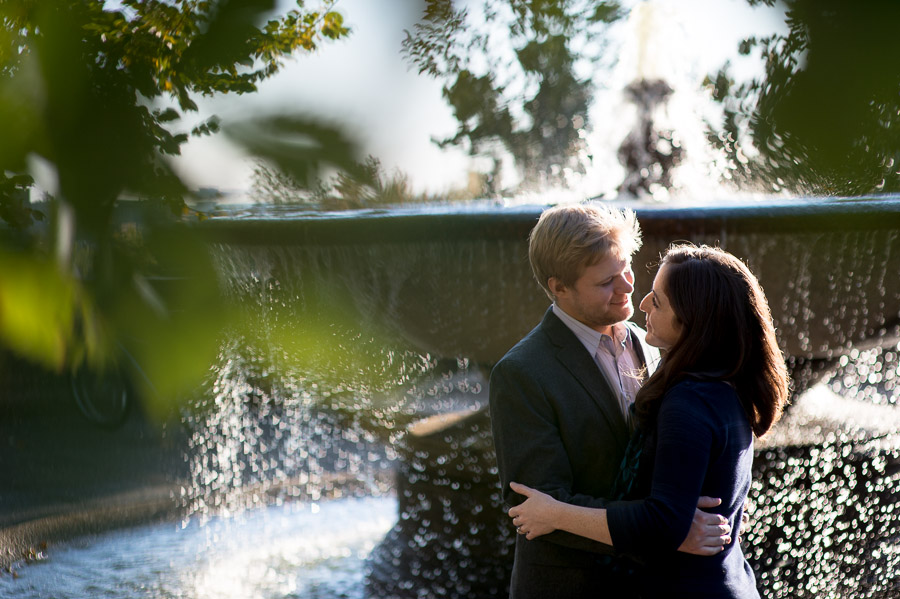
(575, 358)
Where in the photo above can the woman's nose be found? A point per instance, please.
(645, 304)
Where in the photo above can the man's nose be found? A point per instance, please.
(624, 285)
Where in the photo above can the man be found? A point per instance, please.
(560, 399)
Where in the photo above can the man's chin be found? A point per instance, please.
(626, 313)
(615, 315)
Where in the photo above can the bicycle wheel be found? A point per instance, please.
(102, 397)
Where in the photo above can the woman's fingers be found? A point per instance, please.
(527, 516)
(521, 489)
(515, 512)
(708, 502)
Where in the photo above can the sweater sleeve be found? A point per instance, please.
(685, 439)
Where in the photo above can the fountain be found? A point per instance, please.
(422, 303)
(350, 398)
(457, 283)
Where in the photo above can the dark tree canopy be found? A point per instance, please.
(823, 119)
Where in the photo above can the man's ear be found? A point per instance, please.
(556, 286)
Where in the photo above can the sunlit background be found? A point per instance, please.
(258, 259)
(365, 82)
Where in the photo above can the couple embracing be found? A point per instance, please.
(625, 455)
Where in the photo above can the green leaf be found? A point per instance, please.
(296, 146)
(168, 115)
(333, 26)
(37, 309)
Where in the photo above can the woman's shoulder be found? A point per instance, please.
(694, 385)
(699, 395)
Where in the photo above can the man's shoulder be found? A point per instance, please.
(536, 348)
(531, 346)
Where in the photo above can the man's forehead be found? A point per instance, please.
(609, 263)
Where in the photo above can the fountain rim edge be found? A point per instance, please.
(458, 222)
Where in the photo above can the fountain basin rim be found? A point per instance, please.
(124, 510)
(263, 226)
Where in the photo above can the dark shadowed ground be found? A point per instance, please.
(61, 476)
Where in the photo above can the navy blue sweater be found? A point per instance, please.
(702, 445)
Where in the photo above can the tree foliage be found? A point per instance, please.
(513, 76)
(97, 93)
(823, 119)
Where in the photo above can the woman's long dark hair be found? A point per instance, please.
(727, 334)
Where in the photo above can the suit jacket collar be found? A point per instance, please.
(576, 359)
(561, 335)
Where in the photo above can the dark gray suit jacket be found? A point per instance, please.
(558, 427)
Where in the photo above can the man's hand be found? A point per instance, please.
(709, 532)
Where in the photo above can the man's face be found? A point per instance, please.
(601, 297)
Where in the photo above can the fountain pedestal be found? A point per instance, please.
(450, 539)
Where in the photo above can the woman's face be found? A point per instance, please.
(663, 329)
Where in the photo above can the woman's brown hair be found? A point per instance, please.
(727, 334)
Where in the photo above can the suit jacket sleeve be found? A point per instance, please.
(529, 446)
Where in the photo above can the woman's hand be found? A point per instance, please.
(534, 517)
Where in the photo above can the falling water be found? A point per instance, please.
(824, 510)
(298, 406)
(823, 492)
(348, 400)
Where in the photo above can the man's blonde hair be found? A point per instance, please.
(569, 238)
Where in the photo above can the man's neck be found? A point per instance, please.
(607, 330)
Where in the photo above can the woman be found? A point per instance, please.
(722, 380)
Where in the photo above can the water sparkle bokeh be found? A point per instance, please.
(297, 550)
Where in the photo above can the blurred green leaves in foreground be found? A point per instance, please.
(38, 305)
(94, 96)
